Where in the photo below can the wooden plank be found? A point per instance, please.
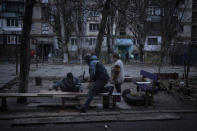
(18, 94)
(103, 94)
(143, 82)
(58, 104)
(61, 93)
(106, 94)
(65, 96)
(97, 118)
(116, 94)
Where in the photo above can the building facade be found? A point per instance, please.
(11, 14)
(44, 40)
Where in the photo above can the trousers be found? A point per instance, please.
(98, 87)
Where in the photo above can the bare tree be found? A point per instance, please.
(170, 24)
(110, 30)
(137, 20)
(102, 26)
(25, 50)
(187, 62)
(134, 16)
(79, 25)
(62, 22)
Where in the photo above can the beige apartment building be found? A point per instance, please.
(42, 34)
(44, 40)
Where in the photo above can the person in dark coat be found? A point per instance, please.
(68, 84)
(99, 76)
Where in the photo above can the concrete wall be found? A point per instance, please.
(37, 12)
(36, 28)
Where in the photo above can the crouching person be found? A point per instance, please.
(99, 78)
(68, 84)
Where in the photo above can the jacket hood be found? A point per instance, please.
(93, 58)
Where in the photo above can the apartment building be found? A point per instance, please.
(153, 41)
(11, 14)
(122, 42)
(42, 35)
(44, 40)
(194, 22)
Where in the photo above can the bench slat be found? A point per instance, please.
(143, 82)
(18, 94)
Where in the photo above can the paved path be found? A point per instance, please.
(7, 73)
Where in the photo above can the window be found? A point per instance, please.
(1, 39)
(157, 11)
(33, 27)
(194, 16)
(93, 13)
(194, 30)
(73, 41)
(154, 11)
(122, 30)
(11, 7)
(152, 41)
(12, 22)
(45, 13)
(92, 41)
(44, 1)
(11, 39)
(45, 28)
(181, 28)
(1, 23)
(93, 27)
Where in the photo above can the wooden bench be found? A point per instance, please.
(59, 94)
(3, 96)
(147, 86)
(65, 95)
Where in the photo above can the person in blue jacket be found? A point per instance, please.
(99, 76)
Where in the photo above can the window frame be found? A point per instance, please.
(93, 27)
(152, 43)
(11, 22)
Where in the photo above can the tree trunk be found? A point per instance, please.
(102, 27)
(25, 50)
(65, 56)
(78, 33)
(108, 44)
(141, 50)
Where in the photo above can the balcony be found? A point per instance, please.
(8, 6)
(154, 18)
(12, 1)
(10, 15)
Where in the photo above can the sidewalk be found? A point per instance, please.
(48, 110)
(7, 74)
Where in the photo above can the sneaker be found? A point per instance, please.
(81, 109)
(111, 89)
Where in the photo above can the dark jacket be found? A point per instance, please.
(67, 86)
(97, 70)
